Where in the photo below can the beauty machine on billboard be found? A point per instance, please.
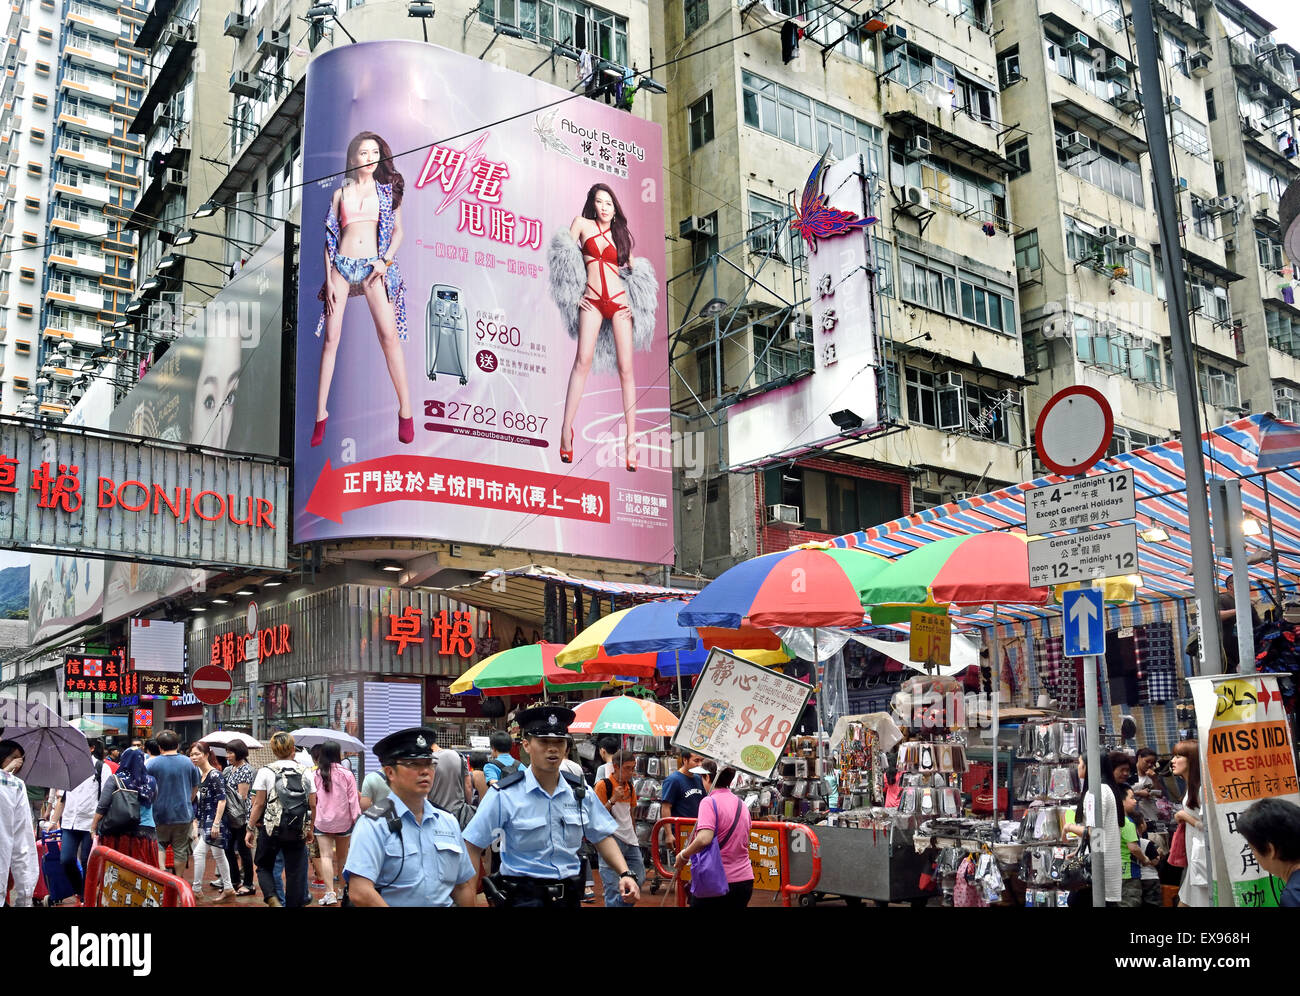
(483, 323)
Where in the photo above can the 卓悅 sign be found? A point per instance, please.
(95, 493)
(741, 714)
(1083, 556)
(931, 639)
(1247, 755)
(1084, 501)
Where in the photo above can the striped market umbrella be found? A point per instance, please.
(623, 715)
(521, 670)
(652, 627)
(809, 585)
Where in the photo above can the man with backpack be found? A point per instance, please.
(615, 791)
(280, 822)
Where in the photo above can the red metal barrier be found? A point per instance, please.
(115, 879)
(784, 830)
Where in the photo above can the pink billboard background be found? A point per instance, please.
(481, 205)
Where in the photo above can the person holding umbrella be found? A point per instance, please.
(17, 835)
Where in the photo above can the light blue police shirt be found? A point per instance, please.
(435, 857)
(540, 833)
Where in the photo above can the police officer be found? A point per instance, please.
(541, 815)
(399, 858)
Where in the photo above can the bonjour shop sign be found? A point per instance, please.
(102, 494)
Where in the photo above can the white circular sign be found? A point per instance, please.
(1074, 429)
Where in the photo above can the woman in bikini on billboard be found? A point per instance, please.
(363, 232)
(601, 232)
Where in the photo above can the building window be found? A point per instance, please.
(27, 274)
(884, 253)
(706, 369)
(922, 398)
(578, 25)
(1269, 251)
(33, 203)
(782, 349)
(43, 68)
(770, 233)
(703, 249)
(993, 414)
(807, 123)
(697, 15)
(34, 168)
(1218, 386)
(1103, 344)
(1112, 171)
(40, 101)
(1283, 333)
(44, 35)
(1018, 153)
(1027, 255)
(833, 503)
(1009, 67)
(1174, 52)
(1190, 135)
(29, 238)
(700, 117)
(22, 346)
(1286, 402)
(38, 136)
(1211, 109)
(951, 186)
(957, 293)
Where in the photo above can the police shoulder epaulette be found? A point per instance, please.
(572, 779)
(514, 778)
(381, 810)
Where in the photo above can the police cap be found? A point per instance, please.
(416, 742)
(544, 721)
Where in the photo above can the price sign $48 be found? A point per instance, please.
(776, 737)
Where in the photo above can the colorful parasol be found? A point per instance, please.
(623, 715)
(519, 670)
(652, 627)
(810, 585)
(979, 569)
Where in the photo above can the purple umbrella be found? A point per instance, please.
(56, 754)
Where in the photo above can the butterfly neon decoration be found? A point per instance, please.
(818, 220)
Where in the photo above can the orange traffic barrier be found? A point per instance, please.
(771, 871)
(115, 879)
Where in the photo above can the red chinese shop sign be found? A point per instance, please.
(92, 492)
(229, 649)
(86, 677)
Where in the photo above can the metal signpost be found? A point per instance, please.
(1085, 636)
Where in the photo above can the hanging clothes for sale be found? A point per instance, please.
(790, 35)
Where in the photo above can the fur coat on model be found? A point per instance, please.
(568, 274)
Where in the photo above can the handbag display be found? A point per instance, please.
(123, 814)
(708, 877)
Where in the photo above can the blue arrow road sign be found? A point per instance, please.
(1085, 623)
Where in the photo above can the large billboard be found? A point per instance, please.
(483, 386)
(218, 385)
(781, 424)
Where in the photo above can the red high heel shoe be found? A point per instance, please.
(405, 429)
(566, 456)
(632, 458)
(318, 433)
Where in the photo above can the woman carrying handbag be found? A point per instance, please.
(721, 839)
(1194, 847)
(124, 817)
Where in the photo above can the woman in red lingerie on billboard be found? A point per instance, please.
(363, 232)
(608, 299)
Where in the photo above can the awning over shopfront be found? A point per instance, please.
(1166, 565)
(521, 592)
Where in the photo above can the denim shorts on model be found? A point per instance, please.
(354, 270)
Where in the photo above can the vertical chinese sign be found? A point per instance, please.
(1248, 755)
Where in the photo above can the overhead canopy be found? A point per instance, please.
(1158, 476)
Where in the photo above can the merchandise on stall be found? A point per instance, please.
(1050, 865)
(931, 762)
(801, 774)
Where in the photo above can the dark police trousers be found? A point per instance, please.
(532, 892)
(295, 867)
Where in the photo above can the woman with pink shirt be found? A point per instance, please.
(337, 809)
(724, 815)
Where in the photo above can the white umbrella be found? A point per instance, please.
(56, 754)
(310, 736)
(224, 737)
(963, 654)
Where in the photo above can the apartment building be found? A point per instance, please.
(1252, 110)
(72, 82)
(183, 125)
(915, 90)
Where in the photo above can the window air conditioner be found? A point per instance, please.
(918, 147)
(174, 178)
(1116, 68)
(1265, 45)
(1126, 101)
(1024, 275)
(274, 43)
(1259, 91)
(694, 227)
(244, 84)
(177, 33)
(1073, 143)
(236, 25)
(1124, 244)
(962, 495)
(1199, 64)
(1107, 234)
(784, 516)
(1263, 204)
(894, 36)
(950, 378)
(1284, 394)
(1078, 42)
(1230, 244)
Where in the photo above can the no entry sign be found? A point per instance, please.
(1074, 429)
(211, 684)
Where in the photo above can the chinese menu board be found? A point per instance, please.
(1245, 735)
(741, 714)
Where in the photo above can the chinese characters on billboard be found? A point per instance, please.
(483, 318)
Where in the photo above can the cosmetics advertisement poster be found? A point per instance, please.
(482, 314)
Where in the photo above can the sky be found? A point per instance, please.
(11, 558)
(1283, 13)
